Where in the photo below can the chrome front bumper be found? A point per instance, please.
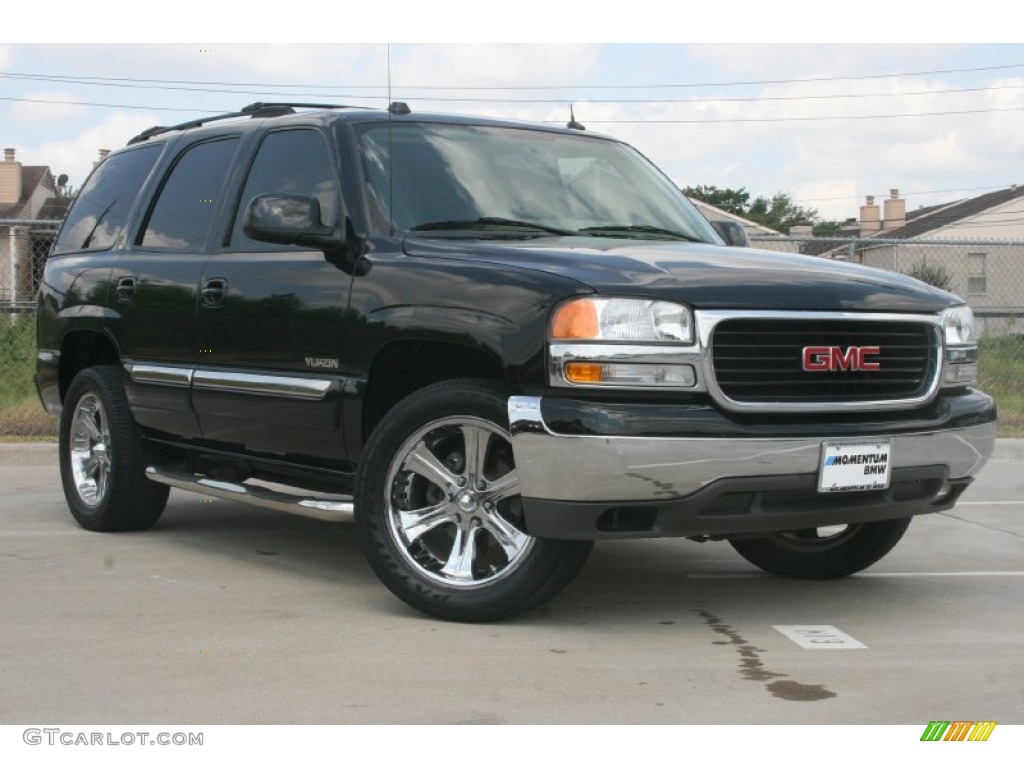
(589, 476)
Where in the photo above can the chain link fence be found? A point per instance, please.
(24, 244)
(987, 274)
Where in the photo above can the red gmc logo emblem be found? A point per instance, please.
(839, 359)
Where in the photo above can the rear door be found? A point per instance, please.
(156, 279)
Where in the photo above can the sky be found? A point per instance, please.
(827, 122)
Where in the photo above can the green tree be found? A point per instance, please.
(828, 228)
(731, 200)
(936, 276)
(779, 212)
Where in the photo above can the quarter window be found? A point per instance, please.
(99, 214)
(187, 205)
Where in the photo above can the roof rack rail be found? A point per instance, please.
(256, 109)
(259, 106)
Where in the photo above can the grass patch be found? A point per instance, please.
(17, 358)
(25, 420)
(21, 414)
(1001, 374)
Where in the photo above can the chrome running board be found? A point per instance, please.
(332, 508)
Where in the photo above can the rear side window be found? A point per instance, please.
(188, 202)
(99, 214)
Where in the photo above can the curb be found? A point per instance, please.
(28, 454)
(45, 454)
(1009, 449)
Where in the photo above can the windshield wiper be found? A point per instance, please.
(487, 222)
(643, 229)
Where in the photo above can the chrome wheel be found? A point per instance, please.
(453, 503)
(90, 454)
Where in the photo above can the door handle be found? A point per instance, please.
(214, 292)
(126, 289)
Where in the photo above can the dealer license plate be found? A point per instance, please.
(854, 467)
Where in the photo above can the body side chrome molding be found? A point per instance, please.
(262, 384)
(296, 387)
(168, 375)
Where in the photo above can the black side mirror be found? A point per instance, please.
(289, 220)
(732, 232)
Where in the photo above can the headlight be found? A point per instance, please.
(622, 320)
(958, 326)
(961, 356)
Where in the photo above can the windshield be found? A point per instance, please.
(450, 180)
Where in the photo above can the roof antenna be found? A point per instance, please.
(573, 123)
(391, 155)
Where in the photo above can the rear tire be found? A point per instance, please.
(103, 457)
(439, 511)
(823, 553)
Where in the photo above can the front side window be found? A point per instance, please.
(99, 214)
(295, 162)
(187, 204)
(423, 175)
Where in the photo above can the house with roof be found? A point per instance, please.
(27, 193)
(754, 230)
(982, 249)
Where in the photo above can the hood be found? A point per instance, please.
(701, 275)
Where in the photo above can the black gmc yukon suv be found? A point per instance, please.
(494, 343)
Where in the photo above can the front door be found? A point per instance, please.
(271, 320)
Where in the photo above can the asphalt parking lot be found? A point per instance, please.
(225, 613)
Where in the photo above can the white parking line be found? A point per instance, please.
(893, 575)
(986, 503)
(943, 574)
(819, 637)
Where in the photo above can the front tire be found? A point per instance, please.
(439, 511)
(823, 553)
(102, 456)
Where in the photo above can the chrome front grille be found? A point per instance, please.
(761, 360)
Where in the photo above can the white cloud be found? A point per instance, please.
(492, 65)
(75, 156)
(770, 61)
(35, 108)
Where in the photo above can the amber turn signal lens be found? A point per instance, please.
(575, 320)
(583, 373)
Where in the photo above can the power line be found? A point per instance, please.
(802, 119)
(904, 194)
(596, 122)
(113, 106)
(538, 87)
(463, 99)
